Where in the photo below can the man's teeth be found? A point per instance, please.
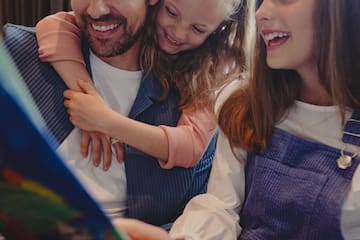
(271, 36)
(105, 28)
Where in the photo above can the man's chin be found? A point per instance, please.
(101, 48)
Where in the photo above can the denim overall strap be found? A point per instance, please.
(352, 129)
(294, 190)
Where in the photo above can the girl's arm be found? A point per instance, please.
(189, 139)
(88, 111)
(180, 146)
(59, 41)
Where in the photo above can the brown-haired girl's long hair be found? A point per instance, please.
(249, 115)
(196, 74)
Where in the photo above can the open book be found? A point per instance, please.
(39, 196)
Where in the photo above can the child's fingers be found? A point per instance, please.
(119, 151)
(85, 143)
(87, 87)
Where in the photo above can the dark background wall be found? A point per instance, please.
(28, 12)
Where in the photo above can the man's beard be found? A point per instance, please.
(109, 48)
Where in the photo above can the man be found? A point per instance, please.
(139, 188)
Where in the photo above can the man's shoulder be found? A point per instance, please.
(18, 31)
(18, 37)
(19, 28)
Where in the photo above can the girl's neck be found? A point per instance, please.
(312, 91)
(315, 94)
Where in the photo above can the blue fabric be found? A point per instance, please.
(352, 127)
(45, 85)
(294, 190)
(155, 195)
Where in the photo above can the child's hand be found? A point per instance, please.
(137, 230)
(87, 109)
(101, 148)
(119, 151)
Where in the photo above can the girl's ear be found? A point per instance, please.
(153, 2)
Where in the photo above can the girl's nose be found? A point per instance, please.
(180, 32)
(263, 12)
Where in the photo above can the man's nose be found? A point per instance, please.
(98, 8)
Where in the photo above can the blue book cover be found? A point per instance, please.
(39, 196)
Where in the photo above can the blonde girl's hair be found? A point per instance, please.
(249, 115)
(196, 74)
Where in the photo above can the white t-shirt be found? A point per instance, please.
(214, 215)
(119, 89)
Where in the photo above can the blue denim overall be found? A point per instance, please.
(295, 190)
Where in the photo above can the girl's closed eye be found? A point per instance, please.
(286, 1)
(170, 11)
(198, 29)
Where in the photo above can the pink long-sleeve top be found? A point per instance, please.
(187, 141)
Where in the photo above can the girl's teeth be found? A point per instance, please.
(271, 36)
(172, 40)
